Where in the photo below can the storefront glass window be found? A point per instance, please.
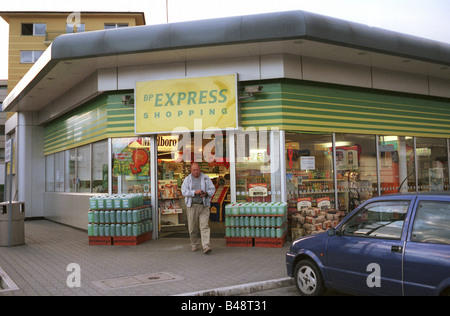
(131, 165)
(70, 174)
(59, 172)
(432, 161)
(356, 166)
(84, 168)
(397, 164)
(50, 173)
(253, 170)
(100, 167)
(309, 169)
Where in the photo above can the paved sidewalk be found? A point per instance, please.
(40, 266)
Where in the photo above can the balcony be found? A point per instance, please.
(51, 35)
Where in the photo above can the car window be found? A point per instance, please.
(383, 219)
(432, 223)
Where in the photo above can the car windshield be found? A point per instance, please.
(382, 219)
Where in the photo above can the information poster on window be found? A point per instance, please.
(131, 158)
(257, 189)
(308, 163)
(347, 158)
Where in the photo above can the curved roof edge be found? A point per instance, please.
(267, 27)
(249, 28)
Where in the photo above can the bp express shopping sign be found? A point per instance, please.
(168, 105)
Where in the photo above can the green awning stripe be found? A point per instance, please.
(305, 105)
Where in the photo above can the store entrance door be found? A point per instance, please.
(175, 156)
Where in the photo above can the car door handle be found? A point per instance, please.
(397, 249)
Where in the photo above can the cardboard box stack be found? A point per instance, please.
(313, 220)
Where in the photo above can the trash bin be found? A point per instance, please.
(17, 223)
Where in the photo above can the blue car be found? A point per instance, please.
(390, 245)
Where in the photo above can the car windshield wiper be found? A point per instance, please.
(381, 226)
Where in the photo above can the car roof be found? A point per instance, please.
(422, 193)
(426, 193)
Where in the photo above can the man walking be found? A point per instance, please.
(197, 190)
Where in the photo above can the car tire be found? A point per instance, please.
(308, 279)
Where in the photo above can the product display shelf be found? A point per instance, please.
(170, 210)
(127, 227)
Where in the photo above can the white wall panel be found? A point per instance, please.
(293, 67)
(272, 66)
(107, 79)
(128, 76)
(247, 67)
(67, 208)
(336, 72)
(439, 87)
(399, 81)
(79, 94)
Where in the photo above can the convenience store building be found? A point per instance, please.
(276, 106)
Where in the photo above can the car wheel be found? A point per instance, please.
(308, 279)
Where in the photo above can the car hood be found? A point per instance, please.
(312, 243)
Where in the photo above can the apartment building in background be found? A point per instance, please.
(30, 33)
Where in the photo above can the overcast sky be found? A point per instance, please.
(424, 18)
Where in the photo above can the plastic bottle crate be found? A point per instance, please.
(131, 241)
(270, 242)
(100, 241)
(239, 241)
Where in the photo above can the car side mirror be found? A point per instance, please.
(333, 232)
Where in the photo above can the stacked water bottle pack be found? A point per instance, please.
(256, 220)
(118, 216)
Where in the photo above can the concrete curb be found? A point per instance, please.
(243, 288)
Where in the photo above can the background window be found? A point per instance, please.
(115, 25)
(30, 56)
(432, 222)
(397, 164)
(309, 167)
(432, 160)
(356, 164)
(76, 170)
(100, 167)
(39, 29)
(253, 166)
(131, 175)
(84, 168)
(50, 173)
(34, 29)
(59, 172)
(70, 174)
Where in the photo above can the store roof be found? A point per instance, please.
(287, 30)
(251, 28)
